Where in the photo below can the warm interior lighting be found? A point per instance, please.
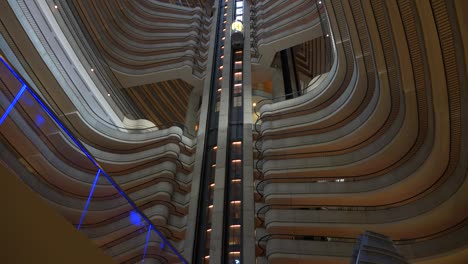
(208, 230)
(236, 180)
(234, 226)
(212, 185)
(235, 202)
(215, 147)
(236, 161)
(254, 104)
(210, 206)
(237, 142)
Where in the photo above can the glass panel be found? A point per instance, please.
(71, 178)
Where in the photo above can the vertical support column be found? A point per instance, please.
(217, 233)
(248, 203)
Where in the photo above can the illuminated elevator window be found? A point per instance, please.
(235, 235)
(238, 76)
(238, 88)
(235, 211)
(238, 65)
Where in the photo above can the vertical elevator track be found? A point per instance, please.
(232, 205)
(234, 162)
(205, 202)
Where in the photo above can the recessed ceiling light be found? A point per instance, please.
(55, 6)
(108, 94)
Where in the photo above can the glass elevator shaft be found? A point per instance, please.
(228, 224)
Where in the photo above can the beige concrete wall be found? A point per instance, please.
(32, 232)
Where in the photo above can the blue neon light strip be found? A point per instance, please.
(89, 199)
(91, 158)
(10, 107)
(146, 243)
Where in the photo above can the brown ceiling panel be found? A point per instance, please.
(163, 103)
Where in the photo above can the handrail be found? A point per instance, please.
(50, 112)
(397, 242)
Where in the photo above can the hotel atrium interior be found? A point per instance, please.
(234, 131)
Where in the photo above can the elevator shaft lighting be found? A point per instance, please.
(237, 26)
